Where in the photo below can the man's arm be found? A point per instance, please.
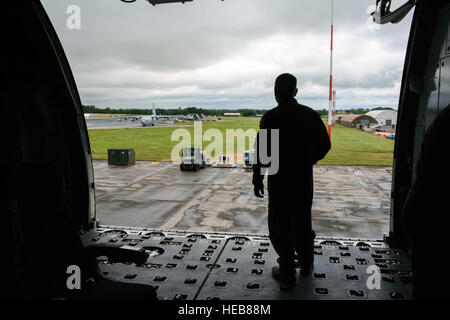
(258, 178)
(322, 142)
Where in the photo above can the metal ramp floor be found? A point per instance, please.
(207, 266)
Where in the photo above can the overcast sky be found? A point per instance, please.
(226, 54)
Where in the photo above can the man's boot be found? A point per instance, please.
(307, 260)
(306, 269)
(287, 279)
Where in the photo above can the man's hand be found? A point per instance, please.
(259, 190)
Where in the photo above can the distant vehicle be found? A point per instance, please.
(249, 156)
(377, 128)
(208, 161)
(192, 159)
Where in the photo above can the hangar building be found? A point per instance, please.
(356, 120)
(384, 117)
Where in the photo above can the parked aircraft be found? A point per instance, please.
(149, 120)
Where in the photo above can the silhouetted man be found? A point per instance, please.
(303, 140)
(426, 211)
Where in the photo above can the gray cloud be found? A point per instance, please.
(212, 53)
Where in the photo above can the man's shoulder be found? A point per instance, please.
(268, 115)
(294, 110)
(305, 108)
(313, 114)
(271, 112)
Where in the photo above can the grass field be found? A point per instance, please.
(349, 146)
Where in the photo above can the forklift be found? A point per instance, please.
(192, 159)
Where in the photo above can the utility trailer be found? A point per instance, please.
(47, 118)
(121, 156)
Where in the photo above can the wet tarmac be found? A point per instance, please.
(348, 201)
(111, 123)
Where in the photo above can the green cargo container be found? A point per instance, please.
(121, 156)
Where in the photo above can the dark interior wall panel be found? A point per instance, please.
(435, 93)
(444, 88)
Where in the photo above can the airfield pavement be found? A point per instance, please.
(349, 201)
(114, 123)
(111, 123)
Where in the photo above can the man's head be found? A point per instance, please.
(285, 87)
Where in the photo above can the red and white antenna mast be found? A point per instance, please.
(334, 108)
(330, 96)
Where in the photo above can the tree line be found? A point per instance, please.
(177, 111)
(211, 112)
